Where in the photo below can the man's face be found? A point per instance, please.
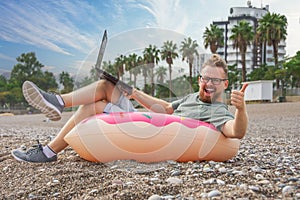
(212, 90)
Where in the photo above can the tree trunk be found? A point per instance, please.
(152, 79)
(275, 53)
(191, 75)
(170, 81)
(243, 56)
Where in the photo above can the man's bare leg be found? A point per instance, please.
(92, 100)
(102, 90)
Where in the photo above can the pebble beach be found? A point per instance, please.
(267, 165)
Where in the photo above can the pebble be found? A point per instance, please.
(243, 186)
(209, 181)
(220, 182)
(237, 172)
(253, 188)
(263, 182)
(154, 179)
(259, 177)
(117, 182)
(207, 169)
(56, 194)
(256, 169)
(222, 170)
(174, 181)
(287, 190)
(93, 191)
(214, 193)
(130, 183)
(155, 197)
(266, 166)
(175, 173)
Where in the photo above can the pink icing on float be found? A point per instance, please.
(155, 119)
(149, 137)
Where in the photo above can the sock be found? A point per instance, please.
(60, 100)
(48, 151)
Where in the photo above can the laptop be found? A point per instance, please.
(105, 75)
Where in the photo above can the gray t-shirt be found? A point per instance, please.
(191, 106)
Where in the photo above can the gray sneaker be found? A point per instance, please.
(46, 102)
(34, 155)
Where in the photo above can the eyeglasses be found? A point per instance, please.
(215, 81)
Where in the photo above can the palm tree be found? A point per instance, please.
(137, 69)
(272, 29)
(151, 58)
(131, 63)
(160, 73)
(119, 65)
(168, 53)
(188, 49)
(242, 36)
(213, 37)
(110, 68)
(67, 81)
(145, 72)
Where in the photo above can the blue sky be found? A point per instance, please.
(65, 35)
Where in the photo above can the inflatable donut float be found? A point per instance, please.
(149, 137)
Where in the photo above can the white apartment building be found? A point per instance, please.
(255, 55)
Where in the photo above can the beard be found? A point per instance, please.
(208, 98)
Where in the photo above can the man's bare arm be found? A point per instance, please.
(237, 127)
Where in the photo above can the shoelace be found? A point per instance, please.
(53, 93)
(35, 148)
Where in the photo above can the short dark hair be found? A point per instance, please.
(216, 61)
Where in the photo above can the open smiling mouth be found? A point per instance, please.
(209, 90)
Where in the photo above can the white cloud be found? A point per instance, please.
(5, 57)
(45, 26)
(73, 27)
(168, 14)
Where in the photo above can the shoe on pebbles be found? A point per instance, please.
(33, 155)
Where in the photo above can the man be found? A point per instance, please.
(206, 105)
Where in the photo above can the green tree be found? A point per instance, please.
(3, 83)
(137, 69)
(145, 71)
(264, 72)
(242, 36)
(67, 81)
(151, 57)
(131, 63)
(27, 68)
(272, 29)
(293, 68)
(110, 68)
(188, 50)
(213, 37)
(182, 86)
(234, 77)
(161, 73)
(119, 66)
(168, 53)
(3, 90)
(49, 81)
(14, 96)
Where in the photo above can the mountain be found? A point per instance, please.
(6, 74)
